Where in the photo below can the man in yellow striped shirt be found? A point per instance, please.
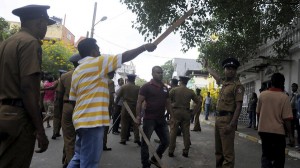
(89, 89)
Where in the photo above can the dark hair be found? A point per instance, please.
(198, 91)
(174, 81)
(277, 80)
(86, 46)
(156, 67)
(295, 84)
(254, 95)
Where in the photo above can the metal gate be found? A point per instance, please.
(249, 88)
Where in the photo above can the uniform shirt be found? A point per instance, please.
(89, 88)
(156, 95)
(231, 92)
(129, 92)
(273, 107)
(181, 97)
(65, 84)
(20, 55)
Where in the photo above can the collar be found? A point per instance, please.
(275, 89)
(158, 84)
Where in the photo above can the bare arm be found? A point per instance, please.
(131, 54)
(211, 71)
(30, 84)
(140, 100)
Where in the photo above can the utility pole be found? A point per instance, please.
(93, 22)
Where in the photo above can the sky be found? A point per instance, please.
(114, 35)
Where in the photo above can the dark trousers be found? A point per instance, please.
(295, 126)
(252, 118)
(160, 127)
(116, 120)
(273, 150)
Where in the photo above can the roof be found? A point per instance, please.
(182, 65)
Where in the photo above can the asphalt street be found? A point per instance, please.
(201, 154)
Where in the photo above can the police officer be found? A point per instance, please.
(66, 108)
(197, 110)
(229, 106)
(180, 99)
(20, 62)
(129, 92)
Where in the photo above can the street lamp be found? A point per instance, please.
(93, 22)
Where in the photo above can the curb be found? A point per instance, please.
(291, 153)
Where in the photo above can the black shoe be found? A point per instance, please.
(249, 126)
(138, 142)
(123, 142)
(185, 154)
(106, 148)
(115, 133)
(53, 137)
(57, 135)
(157, 140)
(154, 161)
(171, 154)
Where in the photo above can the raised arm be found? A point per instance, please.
(211, 71)
(131, 54)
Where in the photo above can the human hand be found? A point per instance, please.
(138, 120)
(228, 129)
(150, 47)
(43, 142)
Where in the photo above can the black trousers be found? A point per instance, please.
(117, 120)
(273, 150)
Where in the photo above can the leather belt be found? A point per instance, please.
(13, 102)
(181, 108)
(69, 101)
(224, 113)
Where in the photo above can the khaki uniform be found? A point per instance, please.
(20, 56)
(180, 98)
(129, 92)
(57, 114)
(197, 126)
(231, 92)
(111, 88)
(67, 108)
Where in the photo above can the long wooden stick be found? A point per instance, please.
(152, 150)
(173, 26)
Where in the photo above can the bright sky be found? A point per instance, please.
(114, 35)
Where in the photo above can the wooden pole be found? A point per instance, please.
(152, 150)
(173, 26)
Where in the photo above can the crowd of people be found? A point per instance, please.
(83, 102)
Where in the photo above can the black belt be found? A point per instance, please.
(181, 108)
(13, 102)
(224, 113)
(69, 101)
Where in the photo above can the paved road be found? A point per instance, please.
(201, 153)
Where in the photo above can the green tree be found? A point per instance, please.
(5, 30)
(168, 70)
(242, 25)
(140, 82)
(56, 56)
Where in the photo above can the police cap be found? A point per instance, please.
(230, 62)
(184, 79)
(131, 77)
(75, 58)
(31, 12)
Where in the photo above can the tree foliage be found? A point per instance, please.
(56, 56)
(168, 70)
(140, 81)
(5, 30)
(242, 25)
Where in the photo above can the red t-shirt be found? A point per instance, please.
(49, 94)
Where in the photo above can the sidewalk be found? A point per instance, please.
(250, 134)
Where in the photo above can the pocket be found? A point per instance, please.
(12, 119)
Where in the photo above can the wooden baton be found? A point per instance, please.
(152, 150)
(173, 26)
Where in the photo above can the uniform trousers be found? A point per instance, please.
(126, 121)
(116, 120)
(68, 132)
(224, 142)
(180, 116)
(56, 120)
(197, 126)
(16, 150)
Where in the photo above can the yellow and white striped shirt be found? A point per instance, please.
(89, 88)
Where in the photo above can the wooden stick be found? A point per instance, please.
(152, 150)
(173, 26)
